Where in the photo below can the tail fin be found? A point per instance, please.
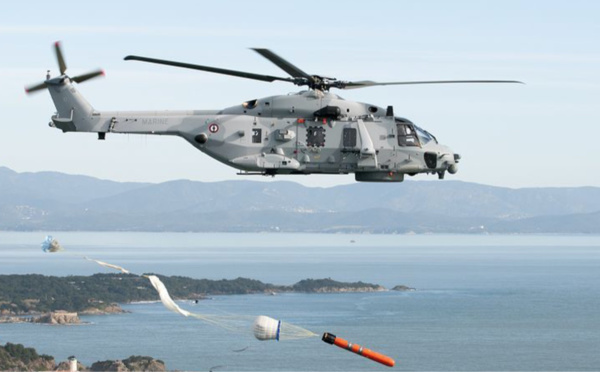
(70, 105)
(73, 112)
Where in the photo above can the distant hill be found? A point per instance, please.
(55, 201)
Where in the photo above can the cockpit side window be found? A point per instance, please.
(407, 135)
(424, 136)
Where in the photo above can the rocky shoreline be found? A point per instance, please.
(54, 318)
(403, 288)
(16, 357)
(59, 317)
(349, 289)
(36, 298)
(63, 317)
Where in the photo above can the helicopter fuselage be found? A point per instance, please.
(302, 133)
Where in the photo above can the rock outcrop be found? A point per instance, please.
(14, 319)
(58, 317)
(110, 309)
(133, 363)
(16, 357)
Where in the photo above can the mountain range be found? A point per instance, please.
(56, 201)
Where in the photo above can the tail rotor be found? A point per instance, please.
(62, 66)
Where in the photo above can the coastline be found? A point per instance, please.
(64, 299)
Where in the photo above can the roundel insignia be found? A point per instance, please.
(213, 128)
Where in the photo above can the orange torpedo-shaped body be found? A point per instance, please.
(357, 349)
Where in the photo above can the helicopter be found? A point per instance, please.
(313, 131)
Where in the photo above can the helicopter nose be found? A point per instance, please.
(453, 168)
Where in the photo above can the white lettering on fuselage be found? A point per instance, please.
(155, 121)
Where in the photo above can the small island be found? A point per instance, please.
(61, 299)
(403, 288)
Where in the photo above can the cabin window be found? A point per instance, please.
(250, 104)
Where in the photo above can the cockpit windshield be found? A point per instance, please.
(424, 136)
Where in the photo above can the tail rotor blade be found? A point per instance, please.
(89, 75)
(59, 56)
(34, 88)
(63, 78)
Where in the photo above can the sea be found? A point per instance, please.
(482, 302)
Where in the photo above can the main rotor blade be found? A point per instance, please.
(283, 64)
(216, 70)
(36, 87)
(366, 83)
(89, 75)
(62, 66)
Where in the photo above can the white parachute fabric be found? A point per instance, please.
(165, 298)
(110, 266)
(51, 245)
(234, 323)
(266, 328)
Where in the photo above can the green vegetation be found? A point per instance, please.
(20, 294)
(39, 293)
(140, 359)
(317, 285)
(16, 356)
(25, 354)
(133, 363)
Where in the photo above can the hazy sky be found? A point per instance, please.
(544, 133)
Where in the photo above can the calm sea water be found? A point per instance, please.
(482, 302)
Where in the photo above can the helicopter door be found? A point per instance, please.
(406, 135)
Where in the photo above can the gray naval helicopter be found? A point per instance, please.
(312, 131)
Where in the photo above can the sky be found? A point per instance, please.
(541, 134)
